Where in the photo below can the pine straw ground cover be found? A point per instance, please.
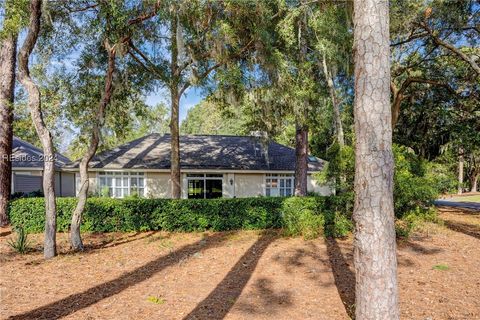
(236, 275)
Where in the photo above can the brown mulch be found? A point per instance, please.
(236, 275)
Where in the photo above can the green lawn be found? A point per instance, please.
(475, 198)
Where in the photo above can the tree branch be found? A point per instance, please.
(152, 65)
(452, 48)
(216, 66)
(410, 38)
(82, 9)
(147, 15)
(399, 94)
(201, 77)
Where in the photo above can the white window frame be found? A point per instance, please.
(281, 188)
(121, 185)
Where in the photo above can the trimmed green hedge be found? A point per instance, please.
(300, 216)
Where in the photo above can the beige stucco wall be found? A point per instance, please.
(245, 185)
(158, 185)
(249, 184)
(92, 178)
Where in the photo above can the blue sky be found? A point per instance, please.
(188, 100)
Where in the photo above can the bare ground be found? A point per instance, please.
(236, 275)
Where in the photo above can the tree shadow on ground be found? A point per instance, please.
(418, 248)
(465, 228)
(91, 246)
(344, 277)
(116, 241)
(5, 233)
(219, 302)
(459, 210)
(79, 301)
(267, 300)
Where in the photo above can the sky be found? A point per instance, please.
(192, 97)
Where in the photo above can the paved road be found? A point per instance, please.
(467, 205)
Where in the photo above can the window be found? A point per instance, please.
(121, 184)
(279, 185)
(204, 186)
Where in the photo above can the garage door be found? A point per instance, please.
(27, 183)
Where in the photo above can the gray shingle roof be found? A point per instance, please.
(200, 152)
(26, 155)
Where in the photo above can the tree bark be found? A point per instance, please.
(75, 236)
(301, 128)
(35, 106)
(174, 118)
(336, 108)
(474, 182)
(375, 247)
(8, 53)
(461, 162)
(301, 160)
(398, 97)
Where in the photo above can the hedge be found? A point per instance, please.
(109, 215)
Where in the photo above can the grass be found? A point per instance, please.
(441, 267)
(475, 198)
(156, 300)
(20, 243)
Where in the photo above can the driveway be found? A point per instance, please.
(458, 204)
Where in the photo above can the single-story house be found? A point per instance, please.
(212, 166)
(27, 170)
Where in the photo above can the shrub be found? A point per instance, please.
(442, 177)
(139, 214)
(20, 244)
(337, 225)
(413, 190)
(303, 217)
(414, 220)
(33, 194)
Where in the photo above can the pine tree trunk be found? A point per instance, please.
(35, 106)
(336, 108)
(375, 247)
(301, 129)
(301, 160)
(174, 120)
(8, 53)
(75, 236)
(461, 161)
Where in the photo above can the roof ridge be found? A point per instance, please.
(39, 149)
(28, 144)
(217, 135)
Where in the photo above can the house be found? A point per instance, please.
(27, 170)
(212, 166)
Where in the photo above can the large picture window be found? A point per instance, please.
(121, 184)
(204, 186)
(279, 185)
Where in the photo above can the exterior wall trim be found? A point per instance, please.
(190, 171)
